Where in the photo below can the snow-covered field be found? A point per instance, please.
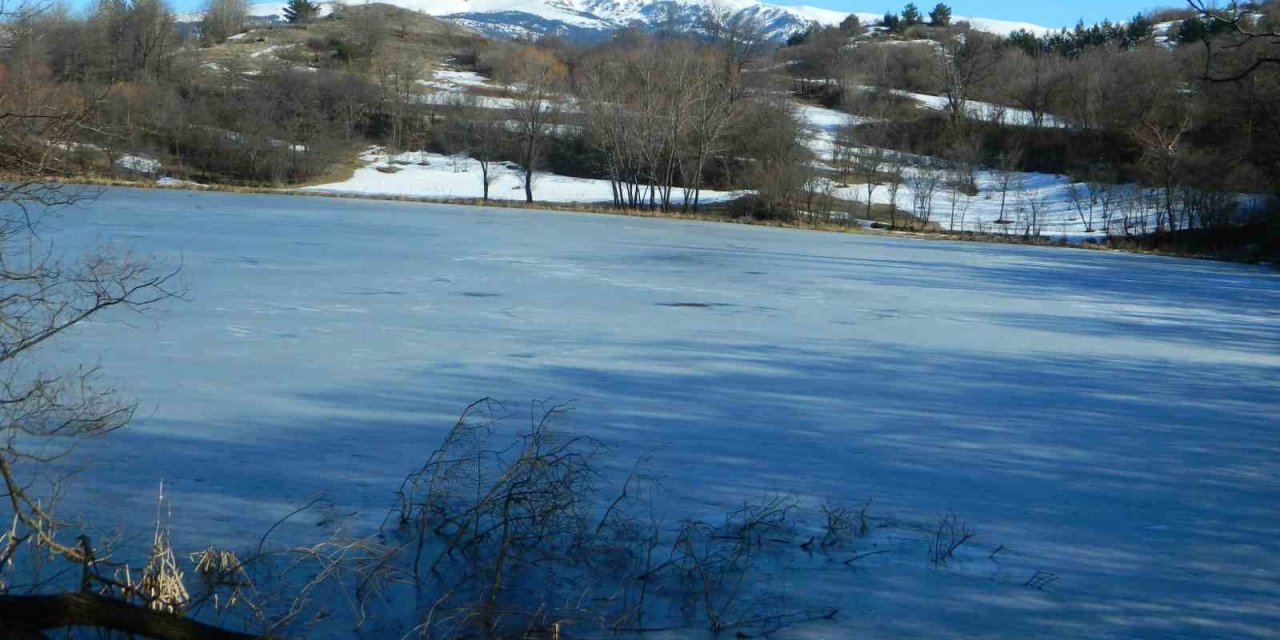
(1109, 418)
(446, 83)
(985, 111)
(1015, 203)
(1057, 213)
(455, 80)
(824, 125)
(431, 175)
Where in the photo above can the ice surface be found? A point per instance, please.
(1110, 418)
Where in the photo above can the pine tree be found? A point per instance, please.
(891, 22)
(911, 15)
(800, 37)
(301, 11)
(1140, 28)
(940, 16)
(1028, 42)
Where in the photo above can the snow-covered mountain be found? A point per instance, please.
(595, 19)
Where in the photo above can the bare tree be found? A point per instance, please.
(867, 170)
(397, 73)
(223, 19)
(369, 29)
(127, 40)
(474, 132)
(1095, 192)
(1084, 202)
(957, 198)
(962, 163)
(1032, 204)
(1107, 194)
(831, 55)
(535, 79)
(961, 64)
(1163, 154)
(844, 150)
(46, 414)
(1082, 97)
(924, 181)
(660, 111)
(1032, 82)
(1248, 38)
(602, 85)
(741, 35)
(710, 114)
(781, 163)
(895, 175)
(1009, 181)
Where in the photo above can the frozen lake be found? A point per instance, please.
(1111, 418)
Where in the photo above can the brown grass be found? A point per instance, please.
(708, 215)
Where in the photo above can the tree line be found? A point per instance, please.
(1169, 110)
(149, 85)
(1189, 112)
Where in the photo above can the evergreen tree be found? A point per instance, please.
(1199, 28)
(851, 24)
(940, 16)
(891, 22)
(800, 37)
(1140, 28)
(911, 15)
(1025, 40)
(301, 11)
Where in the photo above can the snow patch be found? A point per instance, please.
(436, 176)
(138, 163)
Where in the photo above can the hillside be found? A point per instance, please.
(857, 124)
(401, 32)
(594, 20)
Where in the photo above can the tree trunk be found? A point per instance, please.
(528, 164)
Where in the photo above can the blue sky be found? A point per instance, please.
(1042, 12)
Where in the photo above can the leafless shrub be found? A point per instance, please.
(841, 523)
(925, 181)
(499, 520)
(838, 526)
(284, 590)
(715, 560)
(864, 519)
(503, 539)
(949, 535)
(1040, 580)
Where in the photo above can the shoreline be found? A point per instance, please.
(1040, 241)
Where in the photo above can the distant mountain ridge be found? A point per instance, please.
(596, 19)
